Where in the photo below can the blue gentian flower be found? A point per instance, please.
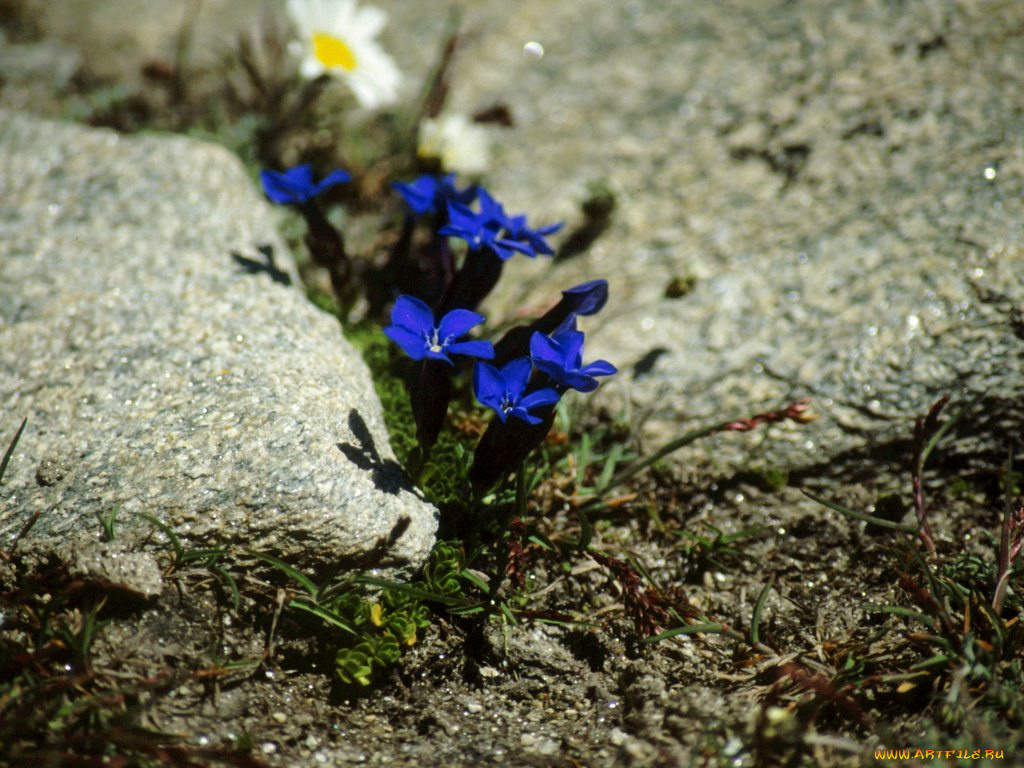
(561, 357)
(584, 299)
(516, 229)
(504, 390)
(481, 232)
(414, 329)
(495, 230)
(430, 194)
(296, 185)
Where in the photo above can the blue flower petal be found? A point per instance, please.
(489, 386)
(451, 192)
(480, 349)
(412, 314)
(332, 179)
(457, 323)
(517, 375)
(420, 194)
(578, 381)
(411, 343)
(491, 211)
(295, 185)
(514, 246)
(571, 344)
(288, 186)
(546, 396)
(524, 415)
(550, 229)
(599, 368)
(543, 349)
(590, 296)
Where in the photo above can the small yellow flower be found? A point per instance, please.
(461, 146)
(337, 37)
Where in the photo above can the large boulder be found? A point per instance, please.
(153, 333)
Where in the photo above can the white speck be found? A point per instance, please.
(978, 272)
(269, 748)
(809, 445)
(203, 740)
(872, 331)
(53, 209)
(990, 173)
(533, 50)
(913, 322)
(647, 324)
(739, 498)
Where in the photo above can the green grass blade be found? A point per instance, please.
(881, 522)
(323, 613)
(227, 578)
(755, 619)
(907, 613)
(709, 627)
(294, 573)
(166, 530)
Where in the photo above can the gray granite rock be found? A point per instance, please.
(167, 367)
(845, 182)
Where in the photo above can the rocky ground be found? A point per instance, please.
(819, 200)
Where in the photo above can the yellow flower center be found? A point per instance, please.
(332, 52)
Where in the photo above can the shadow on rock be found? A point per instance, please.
(253, 267)
(388, 475)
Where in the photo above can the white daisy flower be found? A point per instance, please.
(337, 37)
(460, 145)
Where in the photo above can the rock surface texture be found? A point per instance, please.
(152, 331)
(844, 182)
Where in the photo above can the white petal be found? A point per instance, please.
(370, 20)
(376, 80)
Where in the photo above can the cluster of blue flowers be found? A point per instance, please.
(524, 374)
(557, 359)
(488, 228)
